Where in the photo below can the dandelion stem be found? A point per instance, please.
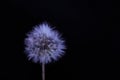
(43, 71)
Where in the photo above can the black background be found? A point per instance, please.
(90, 28)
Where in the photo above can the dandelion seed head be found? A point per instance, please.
(44, 44)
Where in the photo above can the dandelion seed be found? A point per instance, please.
(43, 45)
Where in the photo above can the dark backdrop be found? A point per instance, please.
(90, 28)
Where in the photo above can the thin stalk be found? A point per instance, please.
(43, 71)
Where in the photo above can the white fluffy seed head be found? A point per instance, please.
(43, 44)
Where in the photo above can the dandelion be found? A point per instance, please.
(43, 45)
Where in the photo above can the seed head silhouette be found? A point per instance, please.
(44, 44)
